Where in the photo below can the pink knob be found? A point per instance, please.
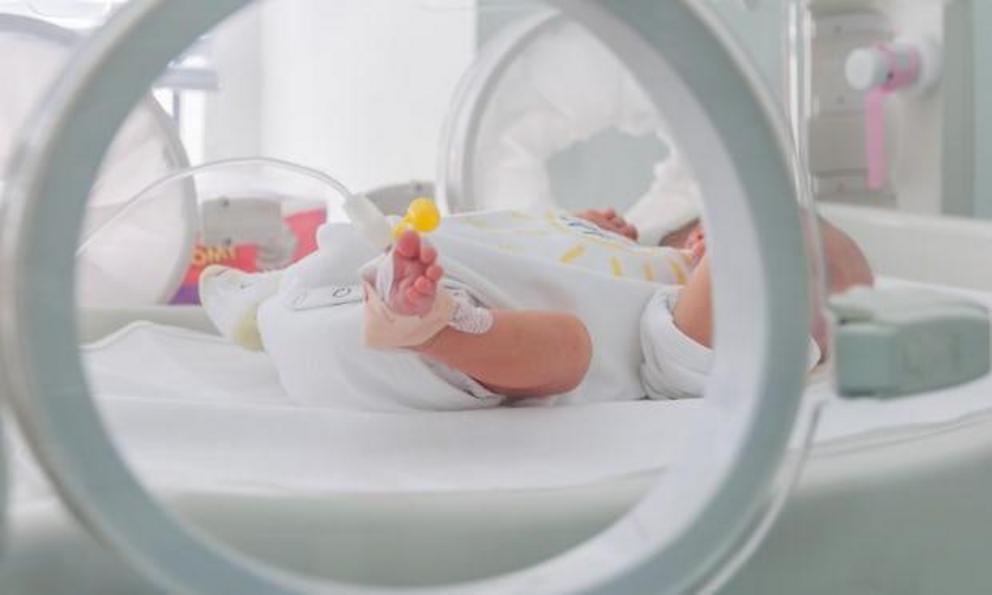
(881, 71)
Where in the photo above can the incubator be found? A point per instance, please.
(152, 454)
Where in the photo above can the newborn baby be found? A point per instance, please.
(497, 307)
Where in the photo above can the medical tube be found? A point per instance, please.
(357, 208)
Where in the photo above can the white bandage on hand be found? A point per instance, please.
(385, 329)
(469, 317)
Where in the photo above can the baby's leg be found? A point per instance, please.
(523, 354)
(232, 297)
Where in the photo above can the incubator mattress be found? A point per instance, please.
(193, 413)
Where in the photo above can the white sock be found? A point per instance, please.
(231, 299)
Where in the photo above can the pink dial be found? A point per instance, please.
(881, 70)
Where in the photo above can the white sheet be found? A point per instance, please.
(193, 413)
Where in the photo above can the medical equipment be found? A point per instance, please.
(384, 329)
(253, 213)
(370, 221)
(762, 194)
(422, 215)
(674, 540)
(897, 343)
(881, 71)
(148, 197)
(838, 52)
(512, 120)
(146, 149)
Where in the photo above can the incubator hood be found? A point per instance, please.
(686, 532)
(32, 53)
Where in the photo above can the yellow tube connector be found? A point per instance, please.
(421, 216)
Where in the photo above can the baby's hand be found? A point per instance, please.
(610, 221)
(415, 276)
(695, 243)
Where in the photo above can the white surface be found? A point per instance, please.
(194, 413)
(358, 89)
(209, 416)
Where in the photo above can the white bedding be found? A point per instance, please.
(194, 413)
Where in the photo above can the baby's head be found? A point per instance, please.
(846, 264)
(846, 267)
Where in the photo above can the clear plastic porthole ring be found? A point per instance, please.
(674, 540)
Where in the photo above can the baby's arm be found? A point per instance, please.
(524, 354)
(609, 220)
(693, 312)
(846, 267)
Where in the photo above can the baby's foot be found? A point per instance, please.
(231, 299)
(415, 276)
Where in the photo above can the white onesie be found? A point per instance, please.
(506, 259)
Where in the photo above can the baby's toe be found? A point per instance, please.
(408, 245)
(412, 298)
(424, 286)
(428, 253)
(417, 302)
(434, 272)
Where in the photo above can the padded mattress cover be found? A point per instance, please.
(192, 413)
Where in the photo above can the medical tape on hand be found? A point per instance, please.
(385, 329)
(470, 317)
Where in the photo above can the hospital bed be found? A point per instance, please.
(396, 499)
